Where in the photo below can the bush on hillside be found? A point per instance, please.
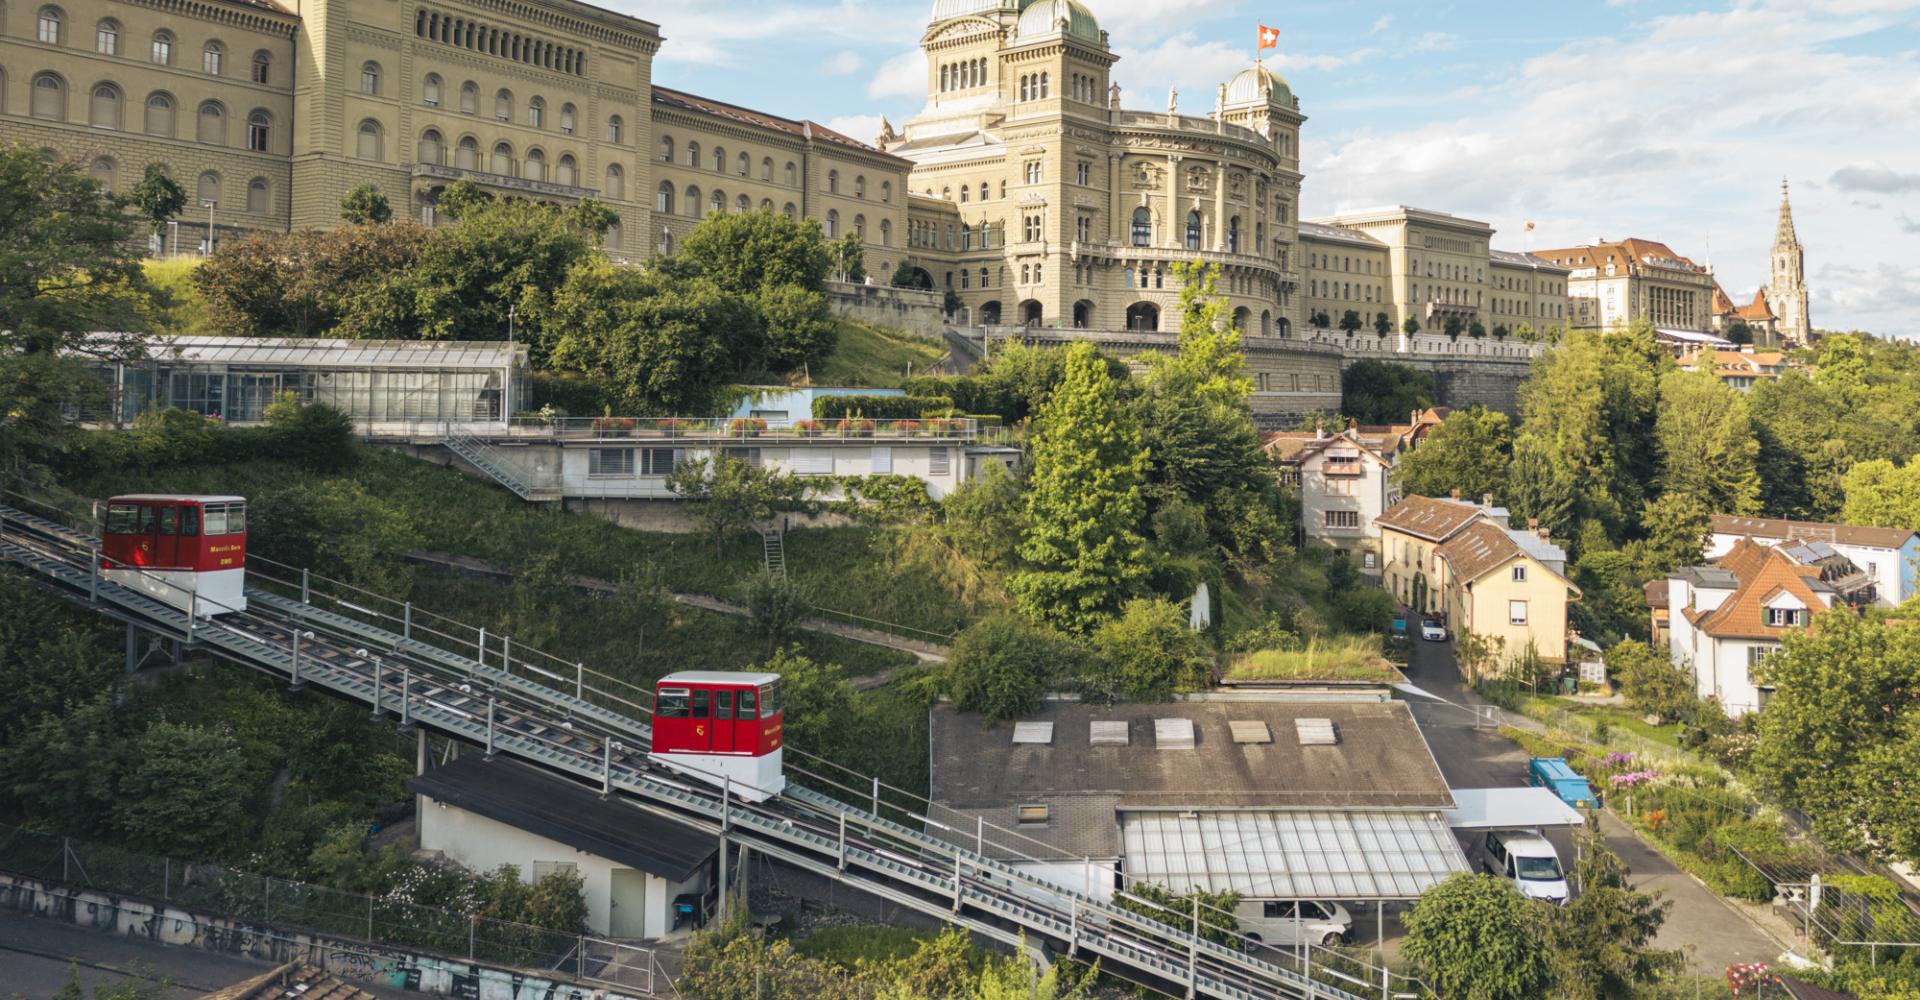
(882, 407)
(1002, 666)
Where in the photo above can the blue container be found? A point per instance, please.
(1553, 774)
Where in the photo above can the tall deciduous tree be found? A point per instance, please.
(728, 494)
(1602, 940)
(1883, 494)
(1085, 501)
(1538, 487)
(304, 284)
(1002, 665)
(1707, 445)
(1467, 452)
(497, 267)
(657, 344)
(1590, 408)
(1475, 938)
(745, 252)
(365, 204)
(158, 197)
(1381, 392)
(1146, 654)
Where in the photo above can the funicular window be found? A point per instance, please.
(189, 522)
(770, 701)
(147, 526)
(723, 705)
(122, 518)
(216, 519)
(169, 520)
(236, 519)
(749, 704)
(675, 703)
(700, 697)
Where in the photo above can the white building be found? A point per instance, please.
(486, 813)
(1345, 480)
(1889, 556)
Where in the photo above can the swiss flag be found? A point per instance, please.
(1269, 37)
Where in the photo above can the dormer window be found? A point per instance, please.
(1786, 617)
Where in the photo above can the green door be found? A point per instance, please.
(629, 916)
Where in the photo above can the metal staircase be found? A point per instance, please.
(773, 545)
(488, 459)
(588, 727)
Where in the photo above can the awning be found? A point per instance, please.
(1351, 855)
(1509, 809)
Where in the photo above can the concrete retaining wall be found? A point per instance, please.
(909, 309)
(129, 916)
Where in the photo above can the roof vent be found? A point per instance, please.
(1315, 732)
(1108, 733)
(1251, 731)
(1037, 733)
(1173, 734)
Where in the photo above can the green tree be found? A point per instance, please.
(316, 436)
(659, 345)
(817, 701)
(728, 494)
(777, 605)
(1410, 327)
(1677, 527)
(1382, 392)
(1476, 330)
(1351, 322)
(849, 258)
(1146, 654)
(1707, 446)
(1538, 488)
(985, 517)
(905, 275)
(1453, 327)
(1382, 324)
(186, 792)
(1002, 665)
(1846, 700)
(799, 324)
(1601, 942)
(745, 252)
(365, 204)
(1500, 332)
(1475, 938)
(306, 283)
(1468, 452)
(1882, 494)
(461, 197)
(1652, 684)
(1590, 408)
(1085, 503)
(158, 197)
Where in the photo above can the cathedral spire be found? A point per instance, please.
(1784, 234)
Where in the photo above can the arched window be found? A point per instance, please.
(860, 226)
(259, 130)
(210, 125)
(49, 97)
(534, 167)
(1193, 230)
(430, 91)
(430, 145)
(367, 145)
(51, 20)
(886, 232)
(212, 56)
(262, 66)
(790, 173)
(469, 98)
(163, 48)
(983, 190)
(860, 186)
(102, 171)
(259, 198)
(833, 224)
(1142, 226)
(663, 198)
(567, 171)
(745, 165)
(503, 105)
(718, 202)
(466, 156)
(886, 192)
(666, 241)
(612, 241)
(965, 193)
(789, 212)
(159, 115)
(692, 200)
(536, 112)
(104, 112)
(1023, 88)
(719, 159)
(567, 118)
(966, 235)
(833, 182)
(370, 78)
(616, 183)
(106, 37)
(208, 188)
(613, 129)
(502, 160)
(693, 154)
(1233, 235)
(766, 169)
(766, 205)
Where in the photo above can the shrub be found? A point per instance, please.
(1147, 653)
(1002, 666)
(746, 425)
(881, 407)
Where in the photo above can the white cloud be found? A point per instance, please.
(1182, 61)
(904, 75)
(1875, 177)
(1434, 41)
(861, 127)
(1385, 22)
(732, 32)
(1326, 61)
(1144, 17)
(846, 62)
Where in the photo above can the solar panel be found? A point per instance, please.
(1173, 734)
(1315, 732)
(1108, 733)
(1038, 733)
(1250, 731)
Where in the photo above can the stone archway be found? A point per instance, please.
(1143, 316)
(1031, 313)
(990, 313)
(1083, 314)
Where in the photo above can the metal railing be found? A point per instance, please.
(379, 920)
(529, 427)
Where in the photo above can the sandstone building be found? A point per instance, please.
(1616, 283)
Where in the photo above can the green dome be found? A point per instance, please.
(1250, 83)
(1040, 17)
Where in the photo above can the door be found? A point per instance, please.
(145, 536)
(166, 545)
(627, 917)
(723, 736)
(702, 721)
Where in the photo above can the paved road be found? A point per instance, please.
(1708, 928)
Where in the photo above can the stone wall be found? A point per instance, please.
(393, 968)
(909, 309)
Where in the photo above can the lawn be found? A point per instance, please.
(1331, 658)
(876, 356)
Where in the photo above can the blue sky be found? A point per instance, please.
(1665, 120)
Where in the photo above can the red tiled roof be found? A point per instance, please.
(803, 128)
(1435, 520)
(1759, 310)
(1764, 573)
(1844, 534)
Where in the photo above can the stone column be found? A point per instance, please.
(1168, 239)
(1114, 226)
(1219, 205)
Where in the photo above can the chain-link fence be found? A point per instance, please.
(331, 912)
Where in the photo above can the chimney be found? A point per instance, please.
(1455, 494)
(1319, 431)
(1533, 525)
(1486, 499)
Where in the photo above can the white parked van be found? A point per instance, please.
(1525, 857)
(1288, 922)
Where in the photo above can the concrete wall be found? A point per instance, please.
(910, 309)
(392, 968)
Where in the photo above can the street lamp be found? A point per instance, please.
(209, 203)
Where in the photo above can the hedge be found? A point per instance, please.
(881, 407)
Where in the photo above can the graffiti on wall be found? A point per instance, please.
(171, 925)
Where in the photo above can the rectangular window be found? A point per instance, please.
(658, 462)
(939, 462)
(542, 869)
(1033, 815)
(1519, 574)
(701, 697)
(1784, 617)
(1757, 654)
(883, 461)
(750, 703)
(1370, 560)
(122, 518)
(1342, 518)
(812, 462)
(1516, 612)
(750, 456)
(673, 703)
(216, 519)
(609, 462)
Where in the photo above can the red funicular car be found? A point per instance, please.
(186, 551)
(721, 727)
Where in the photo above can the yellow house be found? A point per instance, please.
(1509, 587)
(1411, 534)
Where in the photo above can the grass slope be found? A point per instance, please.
(876, 357)
(185, 312)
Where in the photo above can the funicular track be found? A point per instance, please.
(585, 726)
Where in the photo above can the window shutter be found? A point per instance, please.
(883, 461)
(812, 461)
(939, 462)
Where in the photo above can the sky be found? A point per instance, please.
(1659, 119)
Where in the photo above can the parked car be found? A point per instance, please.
(1432, 631)
(1556, 776)
(1289, 922)
(1525, 858)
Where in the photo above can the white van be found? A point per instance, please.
(1525, 857)
(1288, 922)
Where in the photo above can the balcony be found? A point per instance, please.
(723, 431)
(502, 182)
(1115, 250)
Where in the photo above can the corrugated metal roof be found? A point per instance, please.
(295, 352)
(1347, 855)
